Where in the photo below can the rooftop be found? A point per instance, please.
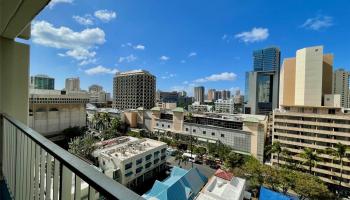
(125, 147)
(219, 188)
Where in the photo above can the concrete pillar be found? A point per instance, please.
(14, 79)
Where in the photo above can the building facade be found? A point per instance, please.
(72, 84)
(212, 95)
(52, 111)
(134, 89)
(43, 82)
(262, 84)
(167, 97)
(341, 86)
(311, 117)
(129, 160)
(244, 133)
(199, 94)
(225, 106)
(98, 95)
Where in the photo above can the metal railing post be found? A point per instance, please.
(1, 144)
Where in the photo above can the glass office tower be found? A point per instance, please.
(262, 84)
(42, 82)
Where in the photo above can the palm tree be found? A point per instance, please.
(311, 158)
(178, 157)
(275, 148)
(339, 152)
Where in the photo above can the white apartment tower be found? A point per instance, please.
(313, 79)
(341, 86)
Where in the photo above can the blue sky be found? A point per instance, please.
(183, 42)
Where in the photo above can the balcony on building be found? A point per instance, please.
(31, 166)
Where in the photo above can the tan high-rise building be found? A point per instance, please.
(72, 84)
(211, 95)
(199, 94)
(341, 86)
(134, 89)
(310, 116)
(305, 79)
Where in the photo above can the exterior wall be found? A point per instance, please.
(51, 119)
(257, 138)
(327, 74)
(178, 118)
(131, 118)
(199, 94)
(287, 82)
(312, 127)
(309, 69)
(14, 71)
(341, 86)
(252, 76)
(332, 100)
(225, 106)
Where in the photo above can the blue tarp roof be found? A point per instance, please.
(180, 185)
(266, 194)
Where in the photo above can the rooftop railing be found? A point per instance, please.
(33, 167)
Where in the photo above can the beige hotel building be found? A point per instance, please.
(309, 115)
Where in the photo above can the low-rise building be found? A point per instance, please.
(225, 106)
(181, 184)
(223, 186)
(242, 132)
(129, 160)
(52, 111)
(98, 95)
(196, 107)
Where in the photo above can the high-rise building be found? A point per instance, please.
(72, 84)
(306, 78)
(95, 88)
(182, 94)
(225, 94)
(98, 95)
(199, 94)
(262, 83)
(310, 117)
(211, 95)
(341, 86)
(43, 82)
(134, 89)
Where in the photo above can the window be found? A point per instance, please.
(156, 161)
(139, 161)
(168, 126)
(222, 135)
(162, 125)
(156, 153)
(157, 124)
(213, 134)
(128, 166)
(138, 170)
(163, 150)
(128, 174)
(148, 156)
(148, 165)
(163, 157)
(204, 132)
(194, 130)
(186, 129)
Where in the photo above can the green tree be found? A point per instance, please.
(310, 157)
(134, 134)
(339, 153)
(254, 171)
(178, 157)
(311, 188)
(275, 148)
(271, 177)
(233, 160)
(286, 179)
(82, 146)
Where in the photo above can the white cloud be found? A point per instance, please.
(164, 58)
(55, 2)
(63, 37)
(139, 47)
(78, 44)
(86, 20)
(318, 23)
(129, 58)
(192, 54)
(105, 15)
(183, 61)
(255, 35)
(88, 61)
(225, 76)
(100, 70)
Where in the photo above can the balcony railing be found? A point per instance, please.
(35, 168)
